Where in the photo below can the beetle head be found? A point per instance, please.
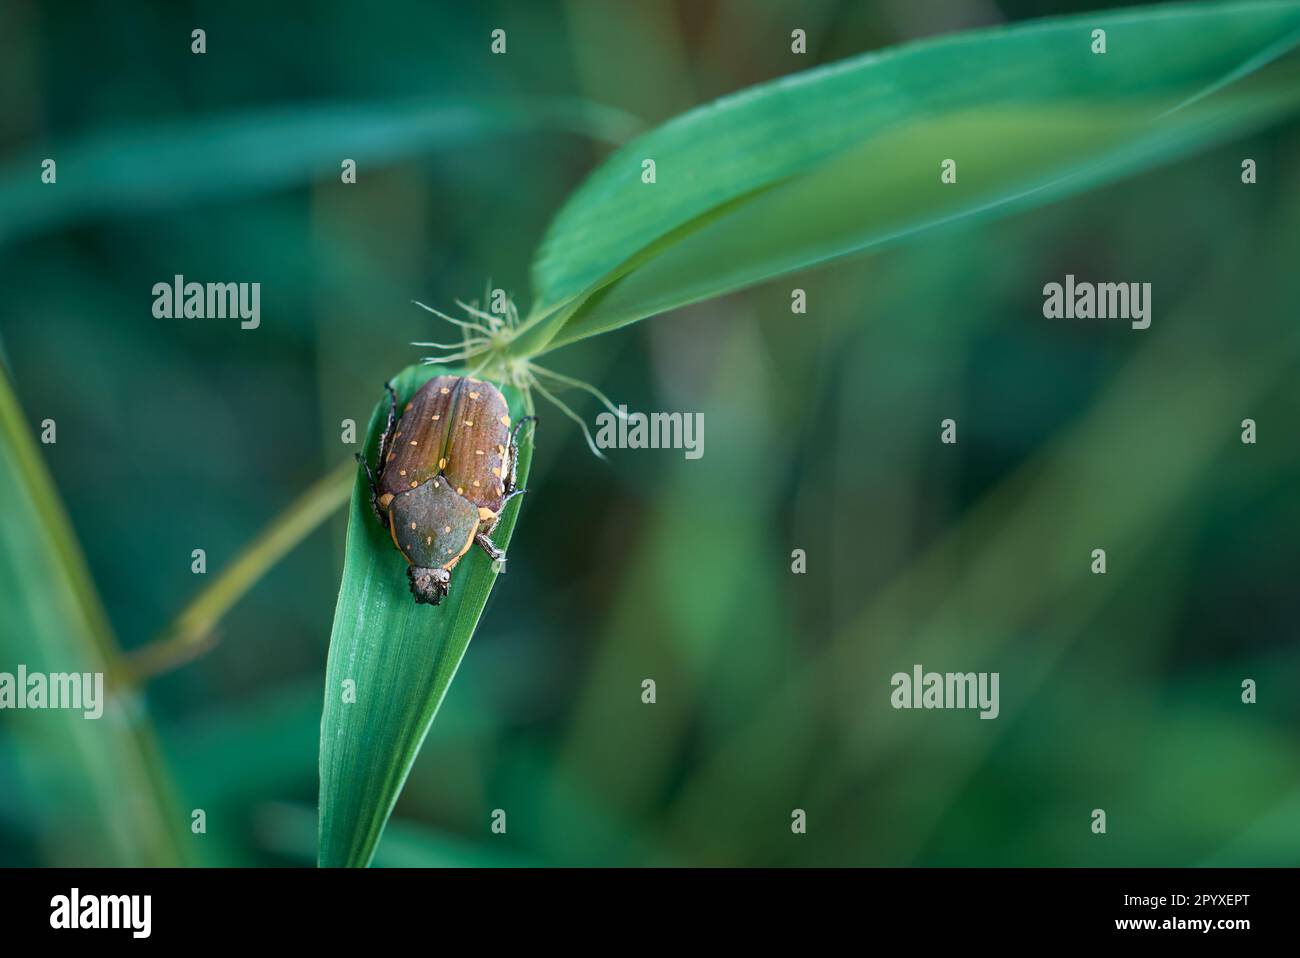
(428, 585)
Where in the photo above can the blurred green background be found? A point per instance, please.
(1119, 692)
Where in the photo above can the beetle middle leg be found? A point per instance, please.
(514, 457)
(488, 546)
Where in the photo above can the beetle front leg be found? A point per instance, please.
(514, 456)
(386, 440)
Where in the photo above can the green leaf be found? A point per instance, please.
(98, 779)
(846, 157)
(185, 161)
(400, 655)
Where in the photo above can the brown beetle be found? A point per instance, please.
(446, 470)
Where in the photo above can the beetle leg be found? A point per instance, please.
(514, 456)
(386, 440)
(374, 491)
(509, 496)
(487, 545)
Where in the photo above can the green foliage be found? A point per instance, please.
(399, 656)
(52, 621)
(820, 436)
(844, 158)
(254, 151)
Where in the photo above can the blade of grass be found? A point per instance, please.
(182, 162)
(844, 158)
(400, 658)
(98, 779)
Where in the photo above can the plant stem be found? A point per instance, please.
(191, 633)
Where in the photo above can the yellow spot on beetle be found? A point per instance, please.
(473, 395)
(415, 442)
(460, 490)
(469, 422)
(436, 418)
(442, 463)
(444, 390)
(446, 528)
(505, 421)
(412, 525)
(428, 540)
(477, 483)
(496, 471)
(414, 483)
(406, 408)
(478, 452)
(401, 472)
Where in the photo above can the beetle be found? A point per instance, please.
(446, 470)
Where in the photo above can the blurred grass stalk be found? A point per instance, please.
(192, 633)
(104, 796)
(190, 160)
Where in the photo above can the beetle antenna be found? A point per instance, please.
(579, 384)
(572, 415)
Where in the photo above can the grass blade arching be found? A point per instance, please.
(847, 157)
